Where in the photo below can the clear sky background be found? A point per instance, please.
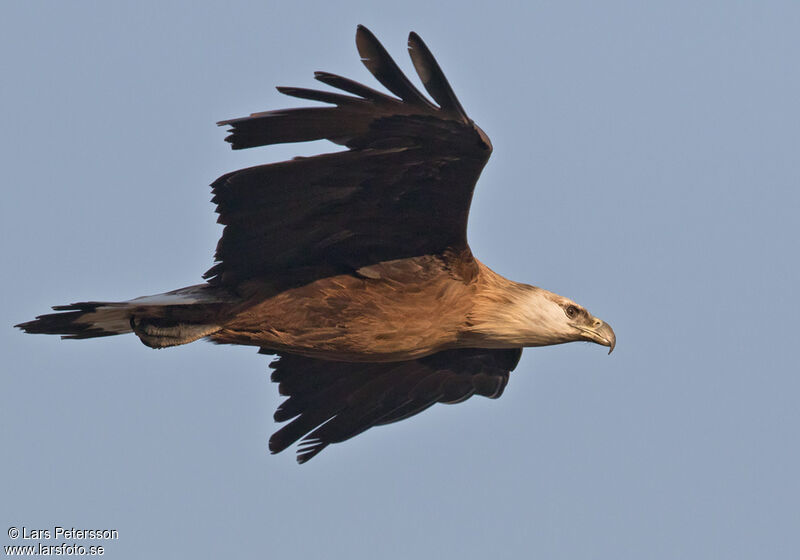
(645, 165)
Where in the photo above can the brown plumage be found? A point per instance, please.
(354, 266)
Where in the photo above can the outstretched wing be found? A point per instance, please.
(402, 189)
(331, 402)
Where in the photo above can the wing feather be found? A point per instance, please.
(319, 95)
(337, 124)
(355, 88)
(330, 402)
(432, 76)
(386, 71)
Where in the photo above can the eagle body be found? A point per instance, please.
(396, 310)
(353, 267)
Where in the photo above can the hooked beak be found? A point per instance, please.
(601, 333)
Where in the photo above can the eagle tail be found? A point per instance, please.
(161, 320)
(86, 319)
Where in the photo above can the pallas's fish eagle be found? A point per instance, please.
(353, 267)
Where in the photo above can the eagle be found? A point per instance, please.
(353, 267)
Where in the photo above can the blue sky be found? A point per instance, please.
(645, 165)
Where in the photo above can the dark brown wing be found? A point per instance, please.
(330, 402)
(402, 189)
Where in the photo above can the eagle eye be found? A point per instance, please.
(571, 311)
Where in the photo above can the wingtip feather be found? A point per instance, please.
(378, 61)
(432, 77)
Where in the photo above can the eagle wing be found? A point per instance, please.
(330, 402)
(402, 189)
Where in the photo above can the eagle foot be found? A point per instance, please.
(155, 333)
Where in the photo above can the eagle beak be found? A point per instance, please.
(601, 333)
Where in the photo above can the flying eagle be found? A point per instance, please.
(353, 267)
